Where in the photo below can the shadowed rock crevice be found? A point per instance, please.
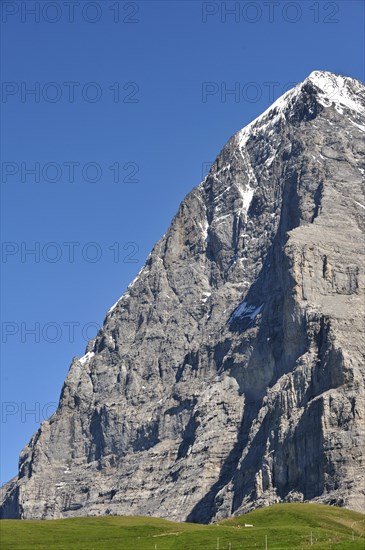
(206, 509)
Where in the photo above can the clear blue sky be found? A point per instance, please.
(161, 132)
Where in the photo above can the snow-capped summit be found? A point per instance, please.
(329, 90)
(339, 90)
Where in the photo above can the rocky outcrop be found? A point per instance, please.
(230, 375)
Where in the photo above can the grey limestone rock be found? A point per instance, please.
(230, 375)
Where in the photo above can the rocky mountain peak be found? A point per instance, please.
(230, 375)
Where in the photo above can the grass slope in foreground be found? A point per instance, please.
(285, 526)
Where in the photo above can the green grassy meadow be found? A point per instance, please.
(285, 526)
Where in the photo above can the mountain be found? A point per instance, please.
(230, 375)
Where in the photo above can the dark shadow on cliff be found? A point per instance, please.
(207, 507)
(269, 294)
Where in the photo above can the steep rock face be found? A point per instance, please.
(230, 374)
